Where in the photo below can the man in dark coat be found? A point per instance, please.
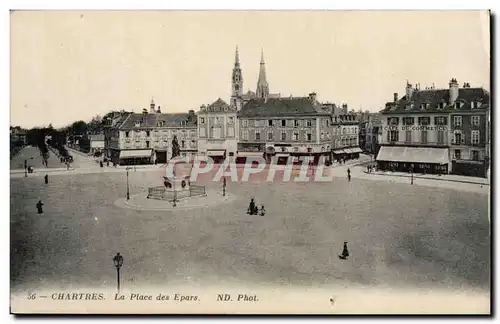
(251, 207)
(39, 206)
(46, 179)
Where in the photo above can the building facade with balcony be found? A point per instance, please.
(435, 131)
(217, 130)
(283, 127)
(146, 138)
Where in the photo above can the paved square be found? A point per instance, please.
(399, 235)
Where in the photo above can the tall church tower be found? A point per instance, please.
(262, 90)
(236, 82)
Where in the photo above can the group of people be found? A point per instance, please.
(254, 210)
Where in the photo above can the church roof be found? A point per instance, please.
(273, 107)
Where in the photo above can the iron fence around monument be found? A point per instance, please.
(162, 193)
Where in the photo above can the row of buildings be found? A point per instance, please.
(252, 124)
(431, 130)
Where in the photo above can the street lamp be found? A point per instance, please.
(118, 262)
(128, 189)
(25, 168)
(411, 174)
(224, 186)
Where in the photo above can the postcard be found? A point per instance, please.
(250, 162)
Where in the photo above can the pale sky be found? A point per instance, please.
(72, 65)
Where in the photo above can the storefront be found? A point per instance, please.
(417, 159)
(243, 157)
(469, 168)
(218, 156)
(339, 155)
(161, 156)
(136, 157)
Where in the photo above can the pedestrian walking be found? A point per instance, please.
(46, 179)
(345, 252)
(349, 174)
(39, 207)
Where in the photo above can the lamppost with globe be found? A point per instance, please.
(128, 189)
(118, 262)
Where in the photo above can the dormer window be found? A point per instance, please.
(475, 104)
(424, 106)
(457, 105)
(441, 105)
(138, 124)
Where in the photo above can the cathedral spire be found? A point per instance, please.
(236, 58)
(262, 85)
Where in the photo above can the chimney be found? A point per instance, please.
(312, 97)
(144, 112)
(344, 108)
(395, 97)
(159, 110)
(409, 91)
(453, 90)
(191, 115)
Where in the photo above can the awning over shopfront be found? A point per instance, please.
(130, 154)
(413, 154)
(348, 150)
(250, 154)
(339, 152)
(356, 150)
(216, 152)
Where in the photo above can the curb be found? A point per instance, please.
(427, 178)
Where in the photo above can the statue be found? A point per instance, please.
(176, 150)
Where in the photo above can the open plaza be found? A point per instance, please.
(434, 234)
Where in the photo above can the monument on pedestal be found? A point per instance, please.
(178, 185)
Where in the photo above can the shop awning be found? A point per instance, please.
(129, 154)
(216, 152)
(348, 150)
(413, 154)
(250, 154)
(356, 150)
(338, 152)
(282, 154)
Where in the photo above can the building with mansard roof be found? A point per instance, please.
(436, 130)
(146, 138)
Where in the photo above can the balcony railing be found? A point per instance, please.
(415, 143)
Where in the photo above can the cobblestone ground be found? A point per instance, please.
(399, 235)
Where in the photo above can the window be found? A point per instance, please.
(458, 154)
(202, 120)
(424, 106)
(344, 130)
(458, 138)
(283, 123)
(231, 120)
(440, 137)
(309, 136)
(423, 137)
(270, 136)
(408, 121)
(283, 136)
(183, 144)
(457, 121)
(322, 135)
(475, 120)
(295, 123)
(257, 136)
(147, 144)
(127, 134)
(327, 123)
(475, 155)
(256, 123)
(441, 105)
(295, 136)
(309, 150)
(475, 104)
(408, 136)
(270, 122)
(475, 137)
(308, 123)
(393, 121)
(148, 133)
(424, 121)
(245, 135)
(393, 136)
(442, 121)
(244, 123)
(457, 105)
